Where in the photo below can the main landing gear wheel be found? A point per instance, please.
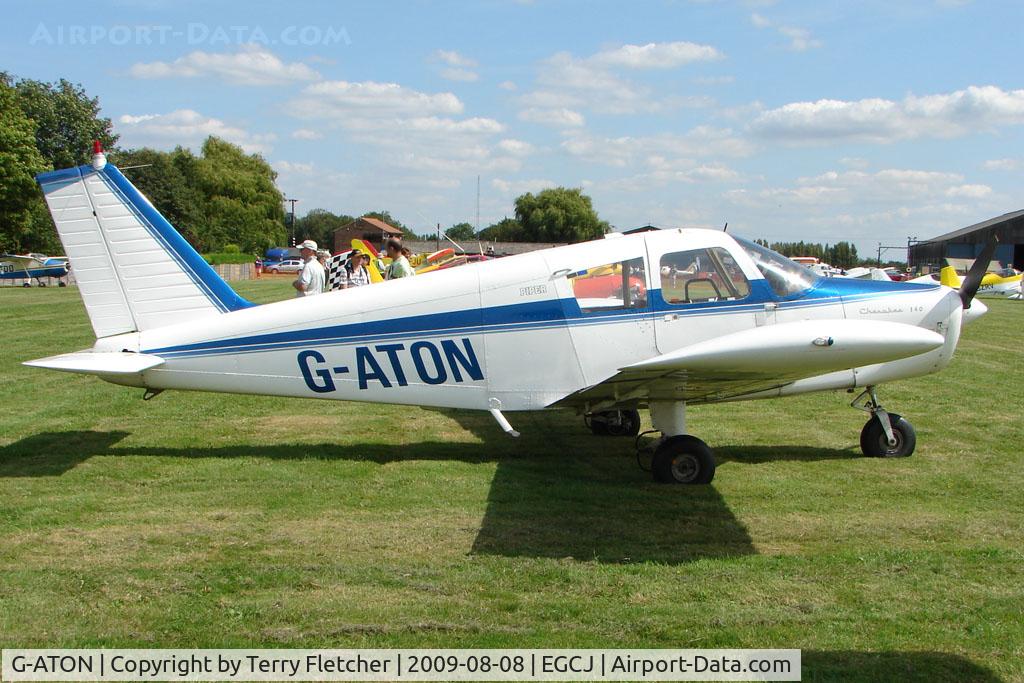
(875, 444)
(683, 459)
(614, 423)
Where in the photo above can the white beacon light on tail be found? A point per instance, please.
(99, 159)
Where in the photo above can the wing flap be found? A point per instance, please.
(99, 363)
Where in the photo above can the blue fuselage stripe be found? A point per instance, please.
(517, 317)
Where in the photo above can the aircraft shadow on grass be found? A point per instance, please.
(906, 667)
(557, 491)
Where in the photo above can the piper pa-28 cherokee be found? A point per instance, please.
(656, 320)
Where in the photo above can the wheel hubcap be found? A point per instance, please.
(685, 468)
(896, 447)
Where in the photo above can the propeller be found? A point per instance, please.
(970, 285)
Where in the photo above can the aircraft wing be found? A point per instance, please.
(757, 359)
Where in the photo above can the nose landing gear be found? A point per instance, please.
(886, 435)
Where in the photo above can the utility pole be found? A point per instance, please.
(291, 221)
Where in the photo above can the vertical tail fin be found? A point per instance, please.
(134, 271)
(948, 277)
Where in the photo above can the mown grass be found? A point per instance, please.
(234, 521)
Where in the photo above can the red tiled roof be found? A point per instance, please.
(374, 223)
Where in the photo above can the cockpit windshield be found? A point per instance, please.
(785, 277)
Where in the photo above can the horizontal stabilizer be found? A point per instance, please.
(99, 363)
(799, 349)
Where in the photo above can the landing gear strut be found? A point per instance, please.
(886, 435)
(678, 457)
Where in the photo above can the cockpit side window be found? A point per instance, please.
(613, 286)
(700, 275)
(785, 277)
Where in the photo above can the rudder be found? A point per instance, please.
(134, 270)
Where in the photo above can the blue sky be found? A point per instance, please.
(865, 121)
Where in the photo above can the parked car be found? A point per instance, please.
(292, 265)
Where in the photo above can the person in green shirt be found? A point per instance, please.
(400, 266)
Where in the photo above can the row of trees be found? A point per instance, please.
(840, 254)
(221, 197)
(559, 214)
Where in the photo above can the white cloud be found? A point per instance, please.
(293, 167)
(518, 187)
(516, 147)
(459, 67)
(453, 58)
(1003, 164)
(972, 191)
(187, 128)
(699, 142)
(899, 187)
(372, 99)
(251, 65)
(409, 129)
(566, 81)
(657, 55)
(464, 75)
(800, 39)
(508, 85)
(879, 120)
(560, 117)
(307, 134)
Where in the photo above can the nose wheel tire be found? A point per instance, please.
(875, 444)
(683, 460)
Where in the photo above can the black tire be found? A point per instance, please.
(598, 427)
(874, 444)
(626, 423)
(683, 460)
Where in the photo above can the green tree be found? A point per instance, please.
(20, 161)
(163, 180)
(558, 214)
(319, 225)
(243, 205)
(461, 231)
(505, 230)
(67, 120)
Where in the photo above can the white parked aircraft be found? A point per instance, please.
(656, 320)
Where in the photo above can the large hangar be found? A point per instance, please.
(966, 243)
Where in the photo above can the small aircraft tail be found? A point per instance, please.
(133, 269)
(948, 277)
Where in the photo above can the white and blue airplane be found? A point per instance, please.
(28, 267)
(658, 320)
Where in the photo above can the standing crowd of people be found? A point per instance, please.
(312, 278)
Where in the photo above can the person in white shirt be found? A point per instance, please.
(356, 274)
(312, 276)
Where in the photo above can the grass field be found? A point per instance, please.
(231, 521)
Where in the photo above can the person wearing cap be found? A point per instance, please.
(356, 274)
(400, 266)
(322, 255)
(312, 276)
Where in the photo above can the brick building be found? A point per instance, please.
(366, 228)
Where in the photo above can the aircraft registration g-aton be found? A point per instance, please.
(655, 320)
